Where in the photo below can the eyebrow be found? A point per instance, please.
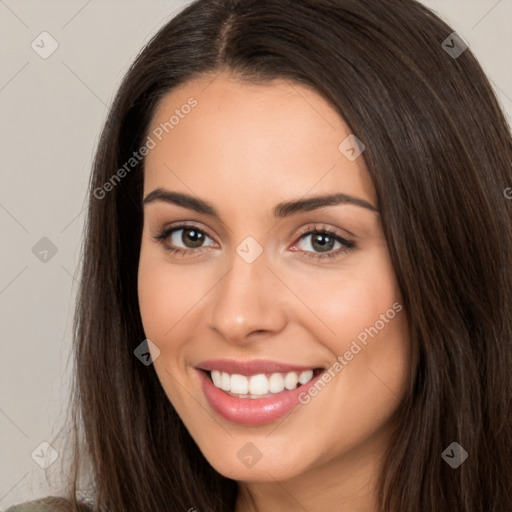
(282, 210)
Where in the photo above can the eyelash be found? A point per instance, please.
(164, 234)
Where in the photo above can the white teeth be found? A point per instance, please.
(290, 381)
(305, 376)
(259, 385)
(276, 382)
(217, 378)
(239, 384)
(225, 382)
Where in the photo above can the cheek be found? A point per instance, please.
(162, 295)
(166, 292)
(353, 299)
(362, 308)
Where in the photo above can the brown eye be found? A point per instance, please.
(191, 237)
(322, 242)
(182, 239)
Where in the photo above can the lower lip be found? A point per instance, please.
(252, 411)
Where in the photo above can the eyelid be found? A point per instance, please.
(347, 245)
(176, 226)
(166, 231)
(307, 229)
(319, 226)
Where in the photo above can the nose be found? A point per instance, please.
(248, 303)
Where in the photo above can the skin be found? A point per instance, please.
(245, 148)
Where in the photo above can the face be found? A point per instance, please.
(294, 309)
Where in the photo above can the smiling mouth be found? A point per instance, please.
(262, 385)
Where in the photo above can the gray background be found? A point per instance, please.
(52, 111)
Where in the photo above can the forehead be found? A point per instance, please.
(259, 141)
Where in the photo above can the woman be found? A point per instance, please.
(296, 271)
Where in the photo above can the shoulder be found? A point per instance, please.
(48, 504)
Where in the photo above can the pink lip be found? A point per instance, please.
(250, 367)
(249, 411)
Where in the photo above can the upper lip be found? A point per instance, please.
(253, 367)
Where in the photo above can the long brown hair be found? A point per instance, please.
(439, 151)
